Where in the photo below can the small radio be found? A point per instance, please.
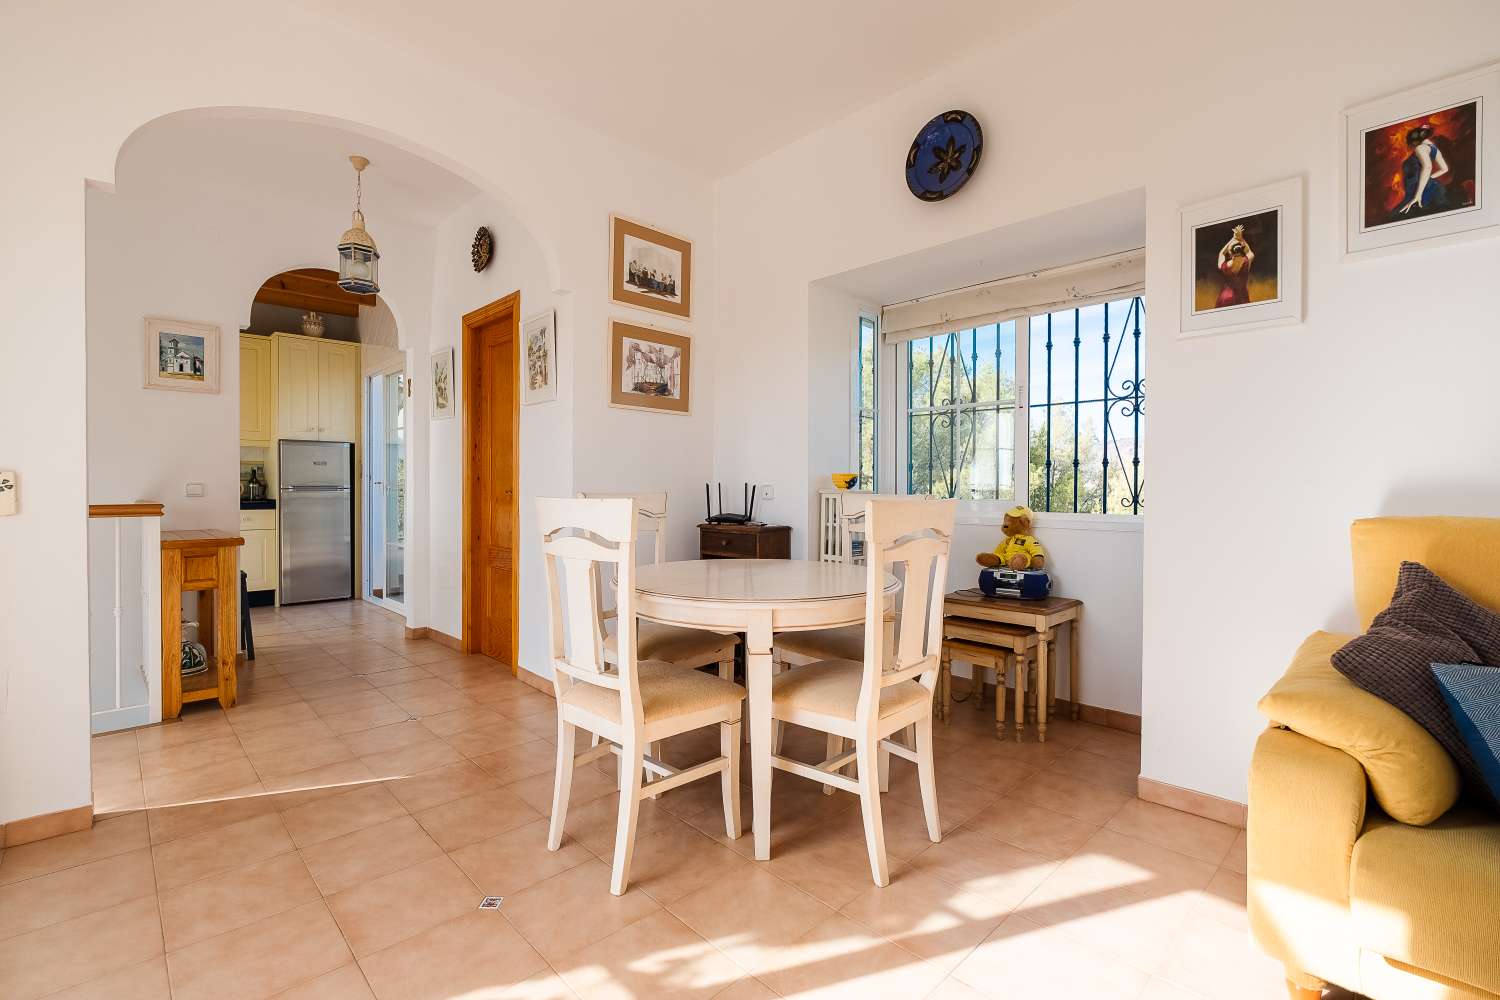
(1026, 584)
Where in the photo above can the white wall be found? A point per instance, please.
(1262, 446)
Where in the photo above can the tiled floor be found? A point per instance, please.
(331, 836)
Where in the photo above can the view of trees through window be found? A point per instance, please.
(961, 402)
(865, 387)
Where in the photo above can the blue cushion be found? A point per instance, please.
(1473, 696)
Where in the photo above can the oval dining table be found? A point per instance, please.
(758, 597)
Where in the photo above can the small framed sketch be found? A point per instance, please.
(650, 269)
(539, 358)
(442, 384)
(181, 355)
(1242, 260)
(650, 369)
(1424, 165)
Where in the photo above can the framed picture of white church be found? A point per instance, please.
(181, 355)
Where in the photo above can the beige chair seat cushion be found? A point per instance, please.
(831, 687)
(846, 643)
(666, 691)
(671, 644)
(1412, 776)
(1428, 896)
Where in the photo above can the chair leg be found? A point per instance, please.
(927, 777)
(945, 674)
(653, 750)
(1295, 992)
(834, 746)
(726, 669)
(883, 762)
(562, 784)
(869, 801)
(632, 762)
(729, 746)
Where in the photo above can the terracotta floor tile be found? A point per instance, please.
(273, 764)
(933, 919)
(1105, 771)
(487, 739)
(1024, 959)
(1224, 900)
(839, 958)
(194, 725)
(171, 822)
(677, 860)
(395, 671)
(748, 988)
(657, 956)
(750, 915)
(403, 904)
(1032, 827)
(285, 734)
(958, 800)
(344, 983)
(476, 955)
(113, 770)
(113, 746)
(119, 797)
(367, 854)
(412, 759)
(402, 733)
(335, 815)
(213, 906)
(1179, 831)
(978, 863)
(146, 981)
(1215, 960)
(361, 719)
(527, 760)
(440, 784)
(1113, 743)
(1115, 859)
(1091, 803)
(198, 784)
(104, 839)
(507, 863)
(74, 892)
(79, 950)
(1236, 860)
(573, 909)
(588, 785)
(289, 791)
(185, 757)
(214, 852)
(475, 817)
(261, 959)
(833, 872)
(595, 823)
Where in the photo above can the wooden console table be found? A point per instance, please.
(204, 562)
(744, 541)
(1043, 616)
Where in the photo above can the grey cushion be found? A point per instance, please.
(1426, 622)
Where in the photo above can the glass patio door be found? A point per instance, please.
(385, 547)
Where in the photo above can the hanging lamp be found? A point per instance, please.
(359, 261)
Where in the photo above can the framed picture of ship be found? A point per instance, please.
(1242, 260)
(182, 355)
(650, 269)
(1424, 165)
(650, 369)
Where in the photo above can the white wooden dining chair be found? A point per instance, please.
(630, 703)
(681, 647)
(891, 686)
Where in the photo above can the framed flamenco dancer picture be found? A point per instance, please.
(1242, 260)
(1421, 166)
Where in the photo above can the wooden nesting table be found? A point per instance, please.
(1043, 616)
(204, 562)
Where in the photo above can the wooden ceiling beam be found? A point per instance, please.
(302, 300)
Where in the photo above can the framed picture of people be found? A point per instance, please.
(650, 369)
(1242, 260)
(650, 269)
(1422, 165)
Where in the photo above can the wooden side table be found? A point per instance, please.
(987, 646)
(204, 562)
(1043, 616)
(744, 541)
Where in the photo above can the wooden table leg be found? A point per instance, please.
(1042, 689)
(1052, 675)
(1005, 661)
(1074, 695)
(944, 684)
(1021, 668)
(758, 679)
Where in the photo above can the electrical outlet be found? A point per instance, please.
(768, 493)
(193, 490)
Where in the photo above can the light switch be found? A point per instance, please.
(9, 492)
(194, 490)
(768, 492)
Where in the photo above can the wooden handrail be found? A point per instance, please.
(125, 510)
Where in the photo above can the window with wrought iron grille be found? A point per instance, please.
(866, 385)
(1045, 409)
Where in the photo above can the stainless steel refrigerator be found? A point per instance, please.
(317, 521)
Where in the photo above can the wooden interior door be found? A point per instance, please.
(491, 495)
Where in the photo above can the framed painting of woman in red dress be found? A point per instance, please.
(1242, 260)
(1419, 163)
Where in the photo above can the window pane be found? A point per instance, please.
(866, 452)
(1091, 352)
(867, 365)
(919, 364)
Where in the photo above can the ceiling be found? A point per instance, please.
(307, 162)
(710, 84)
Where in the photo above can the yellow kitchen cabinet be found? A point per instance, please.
(255, 391)
(317, 389)
(260, 556)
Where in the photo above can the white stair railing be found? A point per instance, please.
(124, 615)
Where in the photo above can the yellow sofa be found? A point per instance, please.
(1338, 891)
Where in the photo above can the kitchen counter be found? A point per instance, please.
(258, 504)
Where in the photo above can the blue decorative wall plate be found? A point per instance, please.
(944, 155)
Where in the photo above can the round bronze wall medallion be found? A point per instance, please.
(484, 244)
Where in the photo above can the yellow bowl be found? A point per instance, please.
(844, 480)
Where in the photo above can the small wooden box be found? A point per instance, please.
(744, 541)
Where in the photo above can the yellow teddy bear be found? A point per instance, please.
(1020, 550)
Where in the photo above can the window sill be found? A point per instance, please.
(993, 513)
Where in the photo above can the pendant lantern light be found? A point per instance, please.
(359, 261)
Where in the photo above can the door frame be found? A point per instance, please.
(367, 477)
(506, 308)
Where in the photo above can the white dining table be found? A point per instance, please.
(758, 597)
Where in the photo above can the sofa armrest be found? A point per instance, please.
(1307, 807)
